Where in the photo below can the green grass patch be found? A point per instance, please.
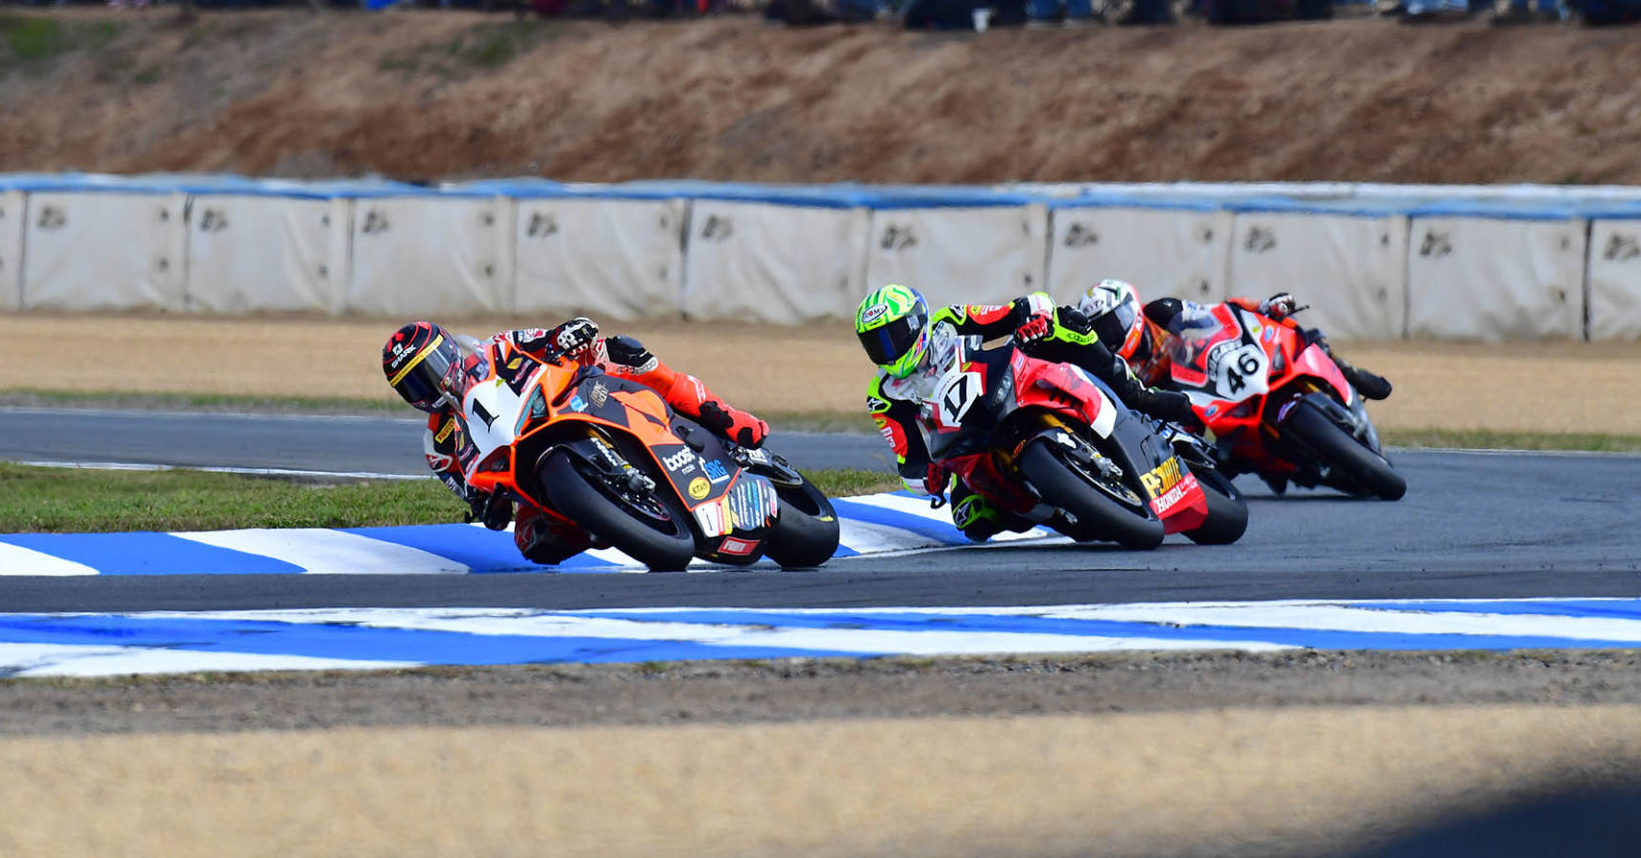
(72, 500)
(1487, 439)
(32, 41)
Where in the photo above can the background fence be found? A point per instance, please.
(1374, 261)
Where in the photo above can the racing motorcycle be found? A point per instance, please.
(1276, 403)
(1052, 445)
(611, 455)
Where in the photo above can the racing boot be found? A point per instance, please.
(978, 518)
(546, 538)
(1370, 385)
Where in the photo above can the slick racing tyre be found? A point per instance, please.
(642, 526)
(1363, 467)
(1062, 484)
(806, 532)
(1227, 510)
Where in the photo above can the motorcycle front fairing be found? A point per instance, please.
(610, 422)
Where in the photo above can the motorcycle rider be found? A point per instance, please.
(893, 325)
(1142, 336)
(430, 367)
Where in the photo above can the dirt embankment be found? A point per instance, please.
(431, 95)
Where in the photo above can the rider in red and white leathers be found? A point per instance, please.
(544, 536)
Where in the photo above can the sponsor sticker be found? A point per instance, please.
(577, 403)
(682, 461)
(599, 394)
(1162, 478)
(873, 313)
(699, 488)
(1165, 503)
(449, 427)
(715, 470)
(736, 547)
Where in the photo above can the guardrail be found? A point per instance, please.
(1375, 261)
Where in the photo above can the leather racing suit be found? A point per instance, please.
(896, 406)
(545, 536)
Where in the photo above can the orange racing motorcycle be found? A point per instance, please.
(1051, 444)
(612, 456)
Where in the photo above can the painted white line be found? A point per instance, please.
(329, 552)
(68, 660)
(17, 560)
(215, 469)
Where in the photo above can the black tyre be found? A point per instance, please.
(1227, 510)
(806, 533)
(1099, 516)
(1367, 469)
(652, 533)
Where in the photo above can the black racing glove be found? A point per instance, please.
(491, 508)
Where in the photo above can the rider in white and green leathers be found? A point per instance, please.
(893, 325)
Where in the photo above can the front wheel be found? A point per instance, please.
(1099, 516)
(806, 530)
(1227, 510)
(644, 528)
(1363, 467)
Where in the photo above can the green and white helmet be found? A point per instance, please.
(892, 324)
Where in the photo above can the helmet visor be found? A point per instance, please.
(1112, 327)
(419, 381)
(890, 342)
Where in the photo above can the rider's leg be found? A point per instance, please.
(1370, 385)
(980, 519)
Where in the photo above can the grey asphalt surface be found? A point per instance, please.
(1473, 525)
(381, 445)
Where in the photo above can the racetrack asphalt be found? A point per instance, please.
(1473, 525)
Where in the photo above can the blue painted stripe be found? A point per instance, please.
(1013, 624)
(328, 640)
(483, 551)
(940, 531)
(148, 553)
(1617, 609)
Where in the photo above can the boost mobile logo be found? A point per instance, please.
(682, 461)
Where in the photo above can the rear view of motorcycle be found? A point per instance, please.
(1277, 404)
(1051, 445)
(610, 455)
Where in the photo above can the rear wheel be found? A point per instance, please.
(641, 526)
(1100, 514)
(1361, 466)
(806, 531)
(1227, 510)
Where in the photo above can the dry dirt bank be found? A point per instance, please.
(1103, 755)
(431, 95)
(1530, 387)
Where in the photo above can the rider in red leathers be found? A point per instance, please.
(426, 364)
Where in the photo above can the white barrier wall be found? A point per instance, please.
(956, 255)
(11, 249)
(431, 256)
(774, 263)
(265, 253)
(1495, 279)
(1351, 270)
(104, 251)
(1177, 252)
(615, 259)
(1615, 280)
